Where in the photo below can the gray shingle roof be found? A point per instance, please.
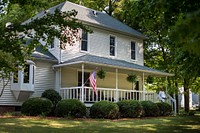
(42, 54)
(101, 19)
(115, 63)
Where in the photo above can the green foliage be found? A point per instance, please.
(52, 95)
(36, 106)
(130, 108)
(71, 108)
(101, 74)
(150, 79)
(104, 109)
(132, 78)
(150, 108)
(14, 35)
(164, 108)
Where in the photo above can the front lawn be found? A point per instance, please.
(179, 124)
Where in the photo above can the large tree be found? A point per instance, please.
(14, 33)
(166, 23)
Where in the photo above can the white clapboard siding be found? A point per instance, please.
(8, 98)
(44, 78)
(99, 45)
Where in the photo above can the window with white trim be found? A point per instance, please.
(112, 46)
(84, 41)
(27, 73)
(133, 50)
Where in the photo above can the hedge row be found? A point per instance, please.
(51, 104)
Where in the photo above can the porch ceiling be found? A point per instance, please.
(108, 64)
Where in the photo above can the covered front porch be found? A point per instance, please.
(87, 95)
(72, 80)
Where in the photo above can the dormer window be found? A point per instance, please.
(133, 50)
(112, 46)
(84, 41)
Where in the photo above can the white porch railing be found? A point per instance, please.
(172, 102)
(108, 94)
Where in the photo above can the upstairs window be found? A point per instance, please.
(133, 50)
(84, 41)
(112, 45)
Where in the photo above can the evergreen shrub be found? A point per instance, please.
(130, 108)
(104, 109)
(150, 108)
(36, 106)
(70, 108)
(164, 108)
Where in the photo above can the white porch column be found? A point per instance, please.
(143, 89)
(82, 92)
(116, 84)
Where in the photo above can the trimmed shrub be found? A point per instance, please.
(104, 109)
(70, 108)
(164, 108)
(36, 106)
(150, 108)
(52, 95)
(130, 108)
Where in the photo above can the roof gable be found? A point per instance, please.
(95, 18)
(42, 54)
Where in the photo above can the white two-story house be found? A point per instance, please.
(113, 47)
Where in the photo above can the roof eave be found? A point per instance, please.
(113, 30)
(163, 74)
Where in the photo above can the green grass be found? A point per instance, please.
(178, 124)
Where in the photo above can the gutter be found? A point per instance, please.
(106, 65)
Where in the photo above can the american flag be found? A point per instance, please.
(93, 80)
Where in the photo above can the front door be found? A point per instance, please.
(86, 83)
(86, 79)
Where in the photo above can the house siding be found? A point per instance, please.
(70, 79)
(56, 50)
(7, 97)
(44, 79)
(99, 45)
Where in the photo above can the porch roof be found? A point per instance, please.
(114, 63)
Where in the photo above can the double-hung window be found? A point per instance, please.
(84, 41)
(133, 50)
(112, 46)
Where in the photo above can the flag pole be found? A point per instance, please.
(89, 77)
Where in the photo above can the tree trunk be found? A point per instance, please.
(186, 95)
(177, 100)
